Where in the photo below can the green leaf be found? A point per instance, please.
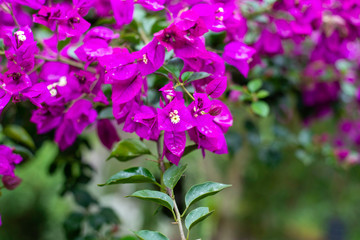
(155, 196)
(262, 94)
(254, 85)
(131, 175)
(185, 76)
(128, 238)
(128, 149)
(150, 235)
(196, 216)
(23, 151)
(189, 149)
(175, 66)
(173, 175)
(131, 37)
(19, 134)
(200, 191)
(261, 108)
(106, 113)
(197, 76)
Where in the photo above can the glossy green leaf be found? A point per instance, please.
(261, 108)
(262, 94)
(196, 216)
(173, 175)
(175, 66)
(19, 134)
(197, 76)
(200, 191)
(254, 85)
(155, 196)
(185, 76)
(128, 149)
(131, 175)
(150, 235)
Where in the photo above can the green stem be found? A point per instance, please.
(185, 90)
(180, 84)
(177, 216)
(143, 35)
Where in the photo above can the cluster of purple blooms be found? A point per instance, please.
(66, 84)
(65, 88)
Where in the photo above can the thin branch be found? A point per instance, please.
(36, 67)
(143, 35)
(67, 61)
(13, 16)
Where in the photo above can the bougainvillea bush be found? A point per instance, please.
(158, 80)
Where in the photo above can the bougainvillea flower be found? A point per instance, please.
(8, 160)
(224, 119)
(154, 5)
(215, 144)
(107, 133)
(38, 93)
(175, 117)
(100, 32)
(170, 156)
(48, 16)
(269, 43)
(123, 11)
(83, 6)
(120, 65)
(47, 118)
(76, 119)
(21, 48)
(125, 90)
(239, 55)
(72, 24)
(15, 80)
(143, 121)
(175, 142)
(34, 4)
(191, 24)
(92, 49)
(212, 15)
(53, 71)
(4, 99)
(216, 87)
(150, 58)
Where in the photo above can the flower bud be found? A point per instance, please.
(215, 110)
(10, 182)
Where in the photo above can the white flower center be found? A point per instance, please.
(219, 18)
(21, 36)
(145, 59)
(174, 117)
(53, 92)
(220, 9)
(62, 81)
